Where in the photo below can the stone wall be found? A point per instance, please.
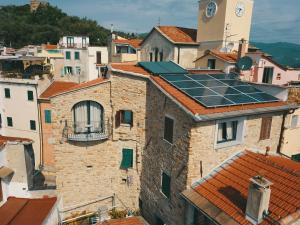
(91, 170)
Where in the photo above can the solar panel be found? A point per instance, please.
(218, 90)
(159, 68)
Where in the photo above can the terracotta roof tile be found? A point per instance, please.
(58, 87)
(135, 43)
(228, 57)
(21, 211)
(5, 139)
(227, 186)
(186, 101)
(179, 34)
(50, 47)
(127, 221)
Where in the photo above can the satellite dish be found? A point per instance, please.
(244, 63)
(224, 49)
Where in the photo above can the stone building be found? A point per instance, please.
(185, 141)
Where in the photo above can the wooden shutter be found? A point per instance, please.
(266, 125)
(127, 159)
(166, 184)
(99, 60)
(131, 121)
(47, 116)
(118, 119)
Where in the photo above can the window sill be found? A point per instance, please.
(125, 125)
(168, 142)
(227, 144)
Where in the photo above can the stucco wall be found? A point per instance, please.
(93, 71)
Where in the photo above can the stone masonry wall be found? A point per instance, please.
(87, 171)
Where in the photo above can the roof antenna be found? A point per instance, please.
(111, 28)
(158, 24)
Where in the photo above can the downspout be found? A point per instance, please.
(178, 56)
(40, 130)
(281, 138)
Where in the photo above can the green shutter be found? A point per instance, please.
(127, 117)
(166, 185)
(68, 55)
(30, 95)
(32, 125)
(127, 159)
(166, 180)
(9, 122)
(77, 55)
(296, 157)
(7, 92)
(47, 116)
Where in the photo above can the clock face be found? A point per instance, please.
(211, 9)
(240, 9)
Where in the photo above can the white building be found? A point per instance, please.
(19, 111)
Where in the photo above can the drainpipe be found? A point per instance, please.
(40, 130)
(281, 138)
(178, 56)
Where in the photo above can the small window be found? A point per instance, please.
(166, 184)
(161, 56)
(266, 125)
(296, 157)
(169, 128)
(77, 55)
(124, 117)
(127, 159)
(9, 122)
(227, 131)
(30, 95)
(151, 57)
(7, 92)
(68, 55)
(294, 121)
(268, 75)
(68, 70)
(78, 70)
(32, 125)
(47, 116)
(99, 58)
(278, 76)
(211, 64)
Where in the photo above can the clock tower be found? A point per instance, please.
(223, 23)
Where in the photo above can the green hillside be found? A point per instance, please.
(20, 27)
(287, 54)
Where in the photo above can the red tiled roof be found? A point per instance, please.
(58, 87)
(179, 34)
(5, 139)
(228, 57)
(50, 47)
(21, 211)
(227, 186)
(127, 221)
(135, 43)
(184, 99)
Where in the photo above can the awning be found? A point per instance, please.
(5, 172)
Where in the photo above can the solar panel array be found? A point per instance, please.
(162, 68)
(218, 90)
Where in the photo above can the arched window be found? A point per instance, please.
(88, 117)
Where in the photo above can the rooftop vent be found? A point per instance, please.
(258, 199)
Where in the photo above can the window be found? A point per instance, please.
(278, 76)
(99, 58)
(227, 131)
(156, 54)
(68, 55)
(294, 121)
(7, 92)
(161, 56)
(70, 42)
(296, 157)
(68, 70)
(77, 55)
(78, 70)
(84, 44)
(30, 95)
(166, 184)
(265, 130)
(32, 125)
(211, 64)
(150, 56)
(124, 117)
(9, 121)
(169, 128)
(47, 116)
(88, 117)
(268, 75)
(127, 159)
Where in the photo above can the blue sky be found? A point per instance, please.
(273, 20)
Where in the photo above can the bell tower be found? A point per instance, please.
(223, 23)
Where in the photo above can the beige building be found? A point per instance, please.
(186, 140)
(170, 43)
(223, 23)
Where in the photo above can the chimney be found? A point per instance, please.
(242, 48)
(259, 194)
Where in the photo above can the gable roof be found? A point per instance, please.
(59, 87)
(225, 189)
(126, 221)
(227, 57)
(135, 43)
(20, 211)
(5, 139)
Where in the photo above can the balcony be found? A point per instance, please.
(88, 132)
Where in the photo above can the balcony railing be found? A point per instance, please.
(92, 131)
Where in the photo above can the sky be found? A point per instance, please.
(273, 20)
